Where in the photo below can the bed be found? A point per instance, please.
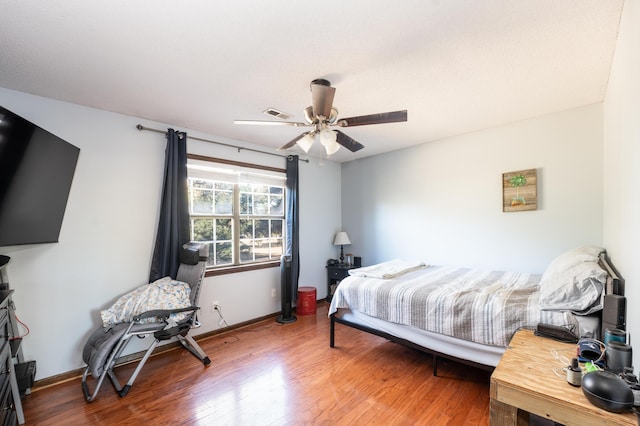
(469, 315)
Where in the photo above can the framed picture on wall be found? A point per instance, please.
(520, 190)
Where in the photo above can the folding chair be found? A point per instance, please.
(105, 346)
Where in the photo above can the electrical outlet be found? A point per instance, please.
(273, 292)
(215, 305)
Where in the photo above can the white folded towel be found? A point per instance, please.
(389, 269)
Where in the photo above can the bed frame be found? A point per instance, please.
(435, 354)
(615, 285)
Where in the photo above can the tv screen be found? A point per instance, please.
(36, 171)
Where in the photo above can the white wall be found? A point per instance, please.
(441, 202)
(622, 156)
(109, 228)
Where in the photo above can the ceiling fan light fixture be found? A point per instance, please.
(328, 140)
(305, 142)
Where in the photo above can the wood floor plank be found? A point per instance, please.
(273, 374)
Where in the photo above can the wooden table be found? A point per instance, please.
(524, 382)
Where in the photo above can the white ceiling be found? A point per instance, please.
(456, 65)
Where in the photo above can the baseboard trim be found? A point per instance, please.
(48, 382)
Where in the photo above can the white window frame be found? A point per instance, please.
(237, 173)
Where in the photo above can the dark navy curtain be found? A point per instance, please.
(293, 243)
(173, 227)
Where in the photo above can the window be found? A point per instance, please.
(237, 209)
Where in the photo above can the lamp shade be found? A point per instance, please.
(341, 239)
(328, 140)
(306, 142)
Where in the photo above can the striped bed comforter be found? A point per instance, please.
(485, 307)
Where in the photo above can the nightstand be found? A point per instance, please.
(525, 382)
(335, 274)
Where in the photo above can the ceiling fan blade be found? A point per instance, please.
(292, 142)
(322, 97)
(270, 123)
(348, 142)
(381, 118)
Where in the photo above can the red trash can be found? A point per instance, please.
(306, 302)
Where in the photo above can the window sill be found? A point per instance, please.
(241, 268)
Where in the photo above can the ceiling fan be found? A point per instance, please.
(321, 115)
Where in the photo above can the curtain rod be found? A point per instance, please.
(239, 148)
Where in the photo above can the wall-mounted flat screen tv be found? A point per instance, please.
(36, 171)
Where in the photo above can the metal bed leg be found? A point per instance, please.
(435, 364)
(332, 332)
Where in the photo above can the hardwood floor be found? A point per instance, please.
(273, 374)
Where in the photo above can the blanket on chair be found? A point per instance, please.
(164, 293)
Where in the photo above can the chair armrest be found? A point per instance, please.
(163, 313)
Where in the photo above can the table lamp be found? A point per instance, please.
(341, 240)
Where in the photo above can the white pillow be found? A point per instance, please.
(577, 289)
(571, 258)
